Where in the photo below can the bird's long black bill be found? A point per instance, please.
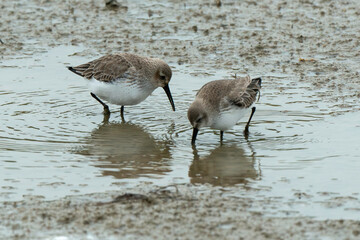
(168, 93)
(195, 132)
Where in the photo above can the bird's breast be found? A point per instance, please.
(121, 91)
(227, 119)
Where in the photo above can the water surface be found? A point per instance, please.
(55, 142)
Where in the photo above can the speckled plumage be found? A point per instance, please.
(122, 66)
(222, 94)
(220, 104)
(124, 78)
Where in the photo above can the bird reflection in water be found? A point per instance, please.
(226, 165)
(125, 150)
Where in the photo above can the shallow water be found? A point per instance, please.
(301, 154)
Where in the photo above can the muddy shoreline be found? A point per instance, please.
(314, 42)
(177, 211)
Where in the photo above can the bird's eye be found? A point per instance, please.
(162, 77)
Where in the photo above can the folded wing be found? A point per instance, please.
(244, 94)
(105, 69)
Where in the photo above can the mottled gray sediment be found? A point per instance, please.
(181, 212)
(314, 41)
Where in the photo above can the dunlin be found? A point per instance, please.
(125, 79)
(220, 104)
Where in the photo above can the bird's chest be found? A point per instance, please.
(122, 92)
(227, 119)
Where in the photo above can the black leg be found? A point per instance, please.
(248, 123)
(106, 108)
(122, 113)
(221, 136)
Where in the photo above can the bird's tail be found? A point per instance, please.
(256, 82)
(255, 85)
(79, 70)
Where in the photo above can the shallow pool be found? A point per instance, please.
(301, 153)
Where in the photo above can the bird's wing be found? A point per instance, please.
(213, 92)
(104, 69)
(244, 92)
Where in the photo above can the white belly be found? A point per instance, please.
(120, 93)
(228, 119)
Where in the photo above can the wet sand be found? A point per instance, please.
(176, 212)
(314, 42)
(184, 213)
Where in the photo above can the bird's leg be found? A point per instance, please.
(122, 113)
(246, 131)
(221, 136)
(106, 108)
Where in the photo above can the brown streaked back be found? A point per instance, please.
(248, 96)
(105, 69)
(224, 93)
